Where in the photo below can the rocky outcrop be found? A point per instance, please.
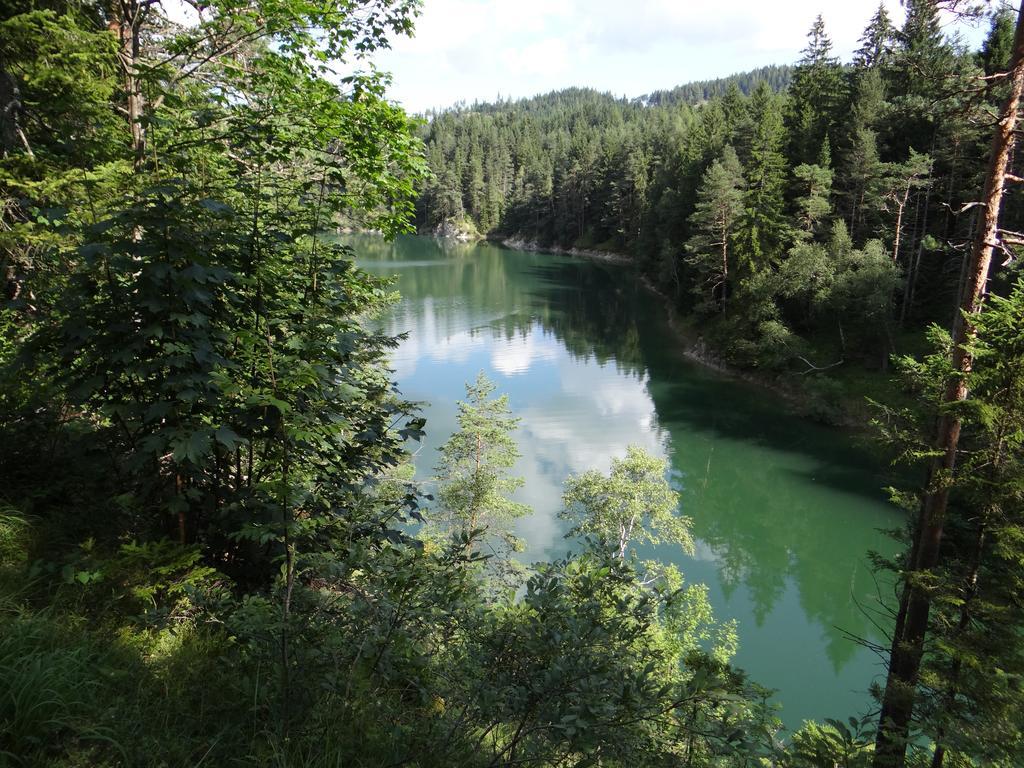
(584, 253)
(456, 230)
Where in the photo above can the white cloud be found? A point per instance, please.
(589, 419)
(543, 57)
(598, 412)
(467, 50)
(433, 333)
(521, 352)
(180, 12)
(474, 50)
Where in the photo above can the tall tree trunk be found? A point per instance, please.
(286, 599)
(127, 22)
(914, 263)
(950, 219)
(901, 206)
(908, 639)
(725, 265)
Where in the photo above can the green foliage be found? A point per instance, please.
(763, 231)
(808, 274)
(865, 282)
(757, 335)
(813, 206)
(816, 92)
(591, 661)
(204, 545)
(970, 680)
(874, 43)
(998, 46)
(474, 486)
(633, 504)
(714, 220)
(777, 77)
(650, 179)
(45, 690)
(14, 538)
(833, 743)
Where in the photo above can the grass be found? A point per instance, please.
(49, 686)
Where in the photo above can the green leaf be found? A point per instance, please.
(216, 206)
(227, 437)
(194, 447)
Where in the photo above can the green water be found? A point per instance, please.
(784, 511)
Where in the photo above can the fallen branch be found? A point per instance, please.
(812, 368)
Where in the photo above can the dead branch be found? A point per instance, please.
(812, 368)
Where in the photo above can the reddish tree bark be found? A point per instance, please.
(915, 604)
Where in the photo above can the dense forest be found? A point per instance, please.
(698, 92)
(212, 550)
(819, 224)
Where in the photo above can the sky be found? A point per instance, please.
(476, 50)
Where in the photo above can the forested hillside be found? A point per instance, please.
(212, 548)
(817, 223)
(777, 77)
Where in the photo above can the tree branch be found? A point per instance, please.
(812, 368)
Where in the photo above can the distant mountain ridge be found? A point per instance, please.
(777, 76)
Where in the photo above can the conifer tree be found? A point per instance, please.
(998, 46)
(900, 181)
(735, 110)
(974, 669)
(474, 485)
(814, 185)
(925, 554)
(719, 207)
(921, 76)
(815, 95)
(763, 230)
(860, 167)
(875, 42)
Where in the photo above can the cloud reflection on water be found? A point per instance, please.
(583, 357)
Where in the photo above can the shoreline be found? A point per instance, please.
(520, 244)
(696, 349)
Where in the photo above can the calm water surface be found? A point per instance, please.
(784, 511)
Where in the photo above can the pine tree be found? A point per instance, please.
(875, 42)
(900, 181)
(719, 207)
(921, 75)
(974, 705)
(763, 231)
(713, 130)
(860, 165)
(474, 485)
(998, 46)
(926, 551)
(967, 706)
(922, 29)
(815, 95)
(734, 107)
(814, 184)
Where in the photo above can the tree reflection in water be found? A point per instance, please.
(784, 511)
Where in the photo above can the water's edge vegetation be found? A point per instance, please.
(850, 403)
(804, 226)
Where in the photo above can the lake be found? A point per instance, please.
(784, 510)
